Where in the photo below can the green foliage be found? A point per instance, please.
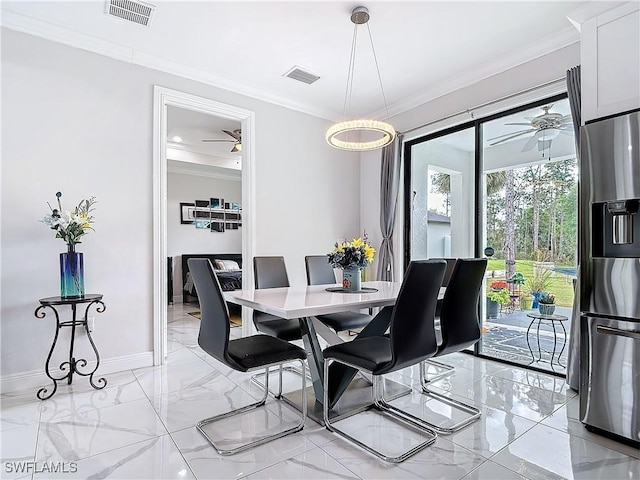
(560, 284)
(501, 295)
(539, 281)
(548, 299)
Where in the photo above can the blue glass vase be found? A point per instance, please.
(71, 273)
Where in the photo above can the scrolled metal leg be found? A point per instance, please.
(39, 313)
(564, 344)
(533, 358)
(101, 307)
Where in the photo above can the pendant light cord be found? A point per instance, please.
(375, 59)
(352, 61)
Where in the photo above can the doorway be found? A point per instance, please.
(164, 99)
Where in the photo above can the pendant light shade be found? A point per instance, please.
(361, 134)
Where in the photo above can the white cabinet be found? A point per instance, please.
(610, 62)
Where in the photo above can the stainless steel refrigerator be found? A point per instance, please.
(610, 276)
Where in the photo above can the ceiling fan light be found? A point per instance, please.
(237, 147)
(548, 134)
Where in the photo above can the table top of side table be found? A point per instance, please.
(89, 297)
(542, 316)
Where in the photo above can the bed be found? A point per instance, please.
(224, 264)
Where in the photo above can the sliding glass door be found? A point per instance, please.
(505, 185)
(440, 196)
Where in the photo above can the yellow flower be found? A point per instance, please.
(369, 251)
(357, 242)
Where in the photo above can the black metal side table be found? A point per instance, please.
(552, 319)
(73, 363)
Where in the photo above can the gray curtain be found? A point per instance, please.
(573, 361)
(389, 185)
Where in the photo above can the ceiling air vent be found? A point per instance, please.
(130, 10)
(300, 75)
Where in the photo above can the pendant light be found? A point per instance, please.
(338, 134)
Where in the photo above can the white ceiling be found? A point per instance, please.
(424, 48)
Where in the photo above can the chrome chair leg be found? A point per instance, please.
(381, 405)
(425, 378)
(474, 413)
(287, 368)
(259, 440)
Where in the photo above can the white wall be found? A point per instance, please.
(439, 245)
(518, 79)
(185, 238)
(81, 123)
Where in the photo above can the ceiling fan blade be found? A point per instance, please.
(212, 141)
(532, 141)
(566, 126)
(520, 123)
(511, 135)
(235, 134)
(566, 118)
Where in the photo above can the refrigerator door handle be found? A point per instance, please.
(617, 331)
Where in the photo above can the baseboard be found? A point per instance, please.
(37, 378)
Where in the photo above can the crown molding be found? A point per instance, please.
(56, 33)
(550, 44)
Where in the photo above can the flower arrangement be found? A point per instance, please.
(498, 284)
(358, 253)
(548, 299)
(70, 226)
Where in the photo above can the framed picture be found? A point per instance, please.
(187, 213)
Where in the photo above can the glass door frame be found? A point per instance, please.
(478, 250)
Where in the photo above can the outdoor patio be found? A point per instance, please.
(506, 338)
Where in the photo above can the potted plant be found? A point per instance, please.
(526, 301)
(538, 284)
(547, 304)
(518, 281)
(498, 294)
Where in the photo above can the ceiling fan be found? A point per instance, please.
(544, 127)
(237, 140)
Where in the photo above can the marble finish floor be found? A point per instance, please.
(142, 425)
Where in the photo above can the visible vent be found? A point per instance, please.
(300, 75)
(130, 10)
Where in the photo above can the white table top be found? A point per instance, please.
(308, 301)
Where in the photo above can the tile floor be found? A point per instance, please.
(142, 426)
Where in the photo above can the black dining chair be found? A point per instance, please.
(320, 272)
(411, 340)
(460, 329)
(444, 369)
(243, 354)
(271, 272)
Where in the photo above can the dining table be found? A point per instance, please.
(347, 395)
